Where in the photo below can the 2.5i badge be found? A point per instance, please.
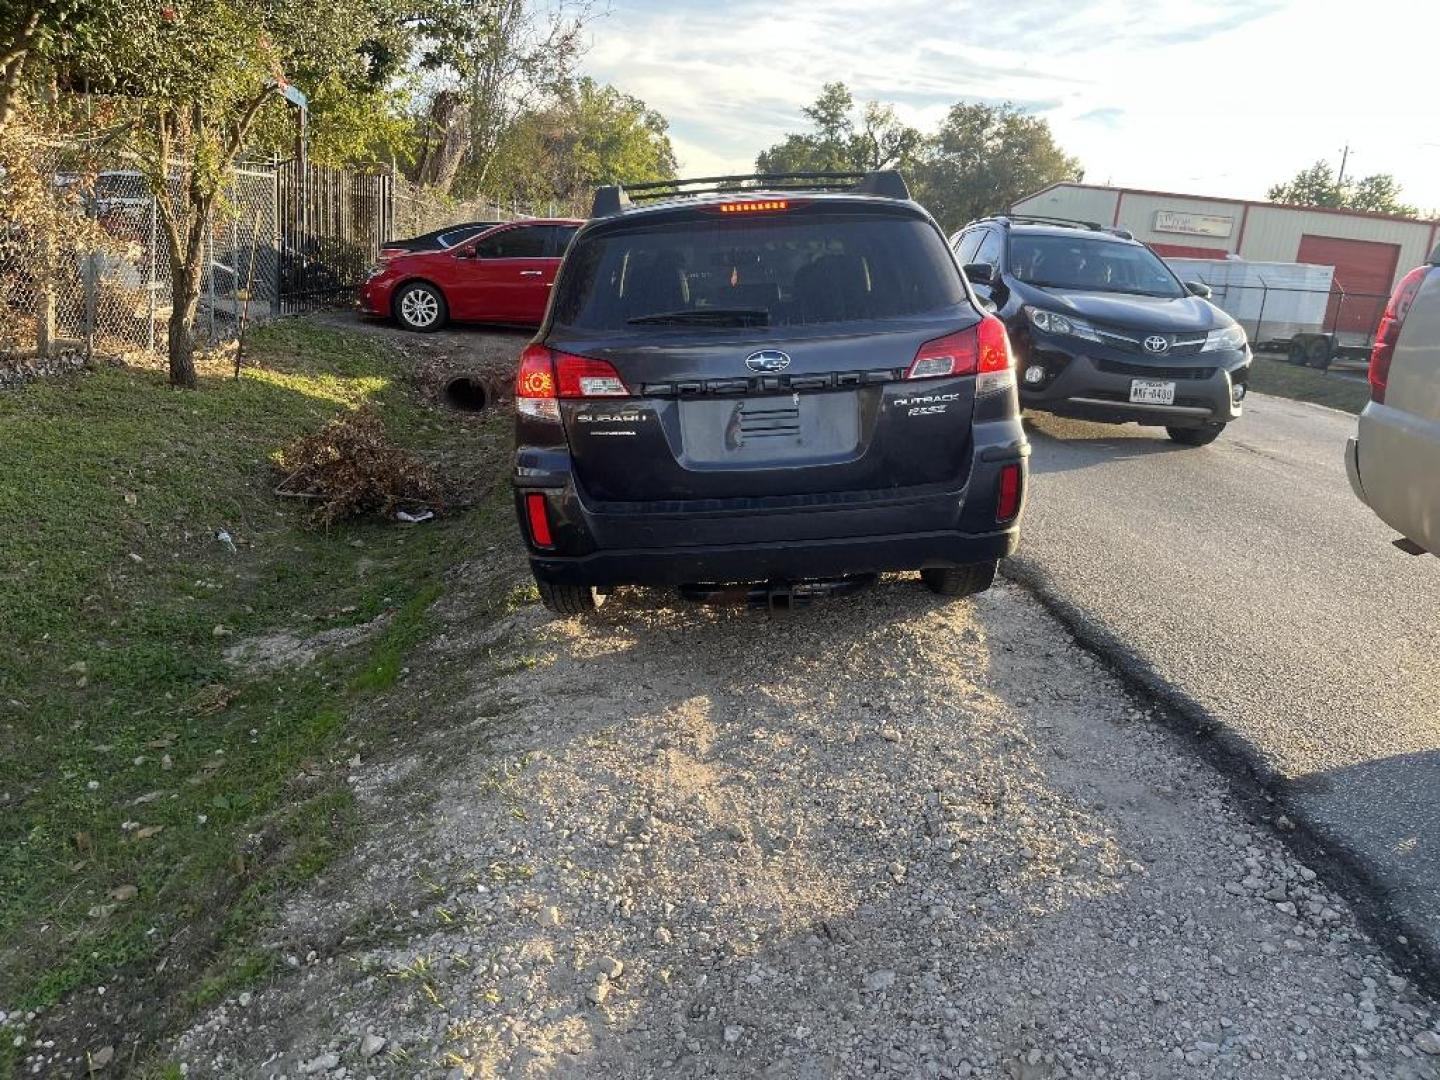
(925, 404)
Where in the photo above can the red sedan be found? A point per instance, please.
(504, 275)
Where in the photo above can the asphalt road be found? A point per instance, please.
(1246, 583)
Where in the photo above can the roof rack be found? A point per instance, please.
(615, 198)
(1066, 223)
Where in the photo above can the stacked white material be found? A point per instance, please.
(1295, 296)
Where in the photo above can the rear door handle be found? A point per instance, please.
(531, 273)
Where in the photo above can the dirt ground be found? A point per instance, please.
(890, 835)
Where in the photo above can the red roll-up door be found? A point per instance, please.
(1364, 272)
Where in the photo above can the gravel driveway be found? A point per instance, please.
(888, 836)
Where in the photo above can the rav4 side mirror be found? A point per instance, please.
(980, 273)
(1198, 288)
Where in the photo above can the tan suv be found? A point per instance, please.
(1394, 459)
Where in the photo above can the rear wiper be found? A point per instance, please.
(702, 316)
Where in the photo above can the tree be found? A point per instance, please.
(47, 28)
(195, 77)
(981, 159)
(490, 61)
(592, 135)
(984, 157)
(1380, 194)
(1318, 186)
(835, 144)
(1314, 186)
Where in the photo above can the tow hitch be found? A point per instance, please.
(776, 597)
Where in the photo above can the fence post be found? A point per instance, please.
(210, 273)
(277, 206)
(235, 262)
(151, 283)
(45, 303)
(92, 301)
(1264, 295)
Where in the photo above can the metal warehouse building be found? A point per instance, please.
(1370, 252)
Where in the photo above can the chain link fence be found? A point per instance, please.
(417, 211)
(85, 260)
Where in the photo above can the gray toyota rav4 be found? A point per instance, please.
(776, 386)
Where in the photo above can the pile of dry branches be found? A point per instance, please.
(350, 467)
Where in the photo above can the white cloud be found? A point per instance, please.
(1220, 98)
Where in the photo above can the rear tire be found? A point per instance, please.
(569, 599)
(1195, 436)
(1317, 355)
(421, 307)
(960, 580)
(1296, 353)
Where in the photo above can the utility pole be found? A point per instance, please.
(1344, 158)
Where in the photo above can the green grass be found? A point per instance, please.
(1271, 375)
(131, 753)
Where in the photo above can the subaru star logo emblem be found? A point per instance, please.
(1157, 344)
(767, 360)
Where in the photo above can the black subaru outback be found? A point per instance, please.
(786, 387)
(1104, 330)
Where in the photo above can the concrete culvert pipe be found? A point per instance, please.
(467, 393)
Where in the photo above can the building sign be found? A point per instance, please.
(1177, 221)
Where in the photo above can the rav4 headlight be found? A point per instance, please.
(1052, 322)
(1227, 338)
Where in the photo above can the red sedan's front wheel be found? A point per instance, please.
(420, 307)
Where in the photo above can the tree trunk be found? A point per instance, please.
(449, 127)
(185, 297)
(186, 276)
(12, 66)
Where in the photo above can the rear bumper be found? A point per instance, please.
(1392, 462)
(769, 539)
(1352, 468)
(795, 560)
(1078, 386)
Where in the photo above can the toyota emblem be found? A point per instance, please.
(1156, 344)
(769, 360)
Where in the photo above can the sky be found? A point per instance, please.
(1221, 97)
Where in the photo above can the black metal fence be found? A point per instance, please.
(331, 225)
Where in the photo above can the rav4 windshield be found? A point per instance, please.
(1084, 263)
(797, 267)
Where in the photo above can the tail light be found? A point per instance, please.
(953, 354)
(535, 384)
(1007, 495)
(581, 377)
(538, 515)
(997, 362)
(1389, 331)
(546, 376)
(983, 350)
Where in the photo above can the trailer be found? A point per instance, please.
(1293, 309)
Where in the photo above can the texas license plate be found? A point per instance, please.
(1152, 392)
